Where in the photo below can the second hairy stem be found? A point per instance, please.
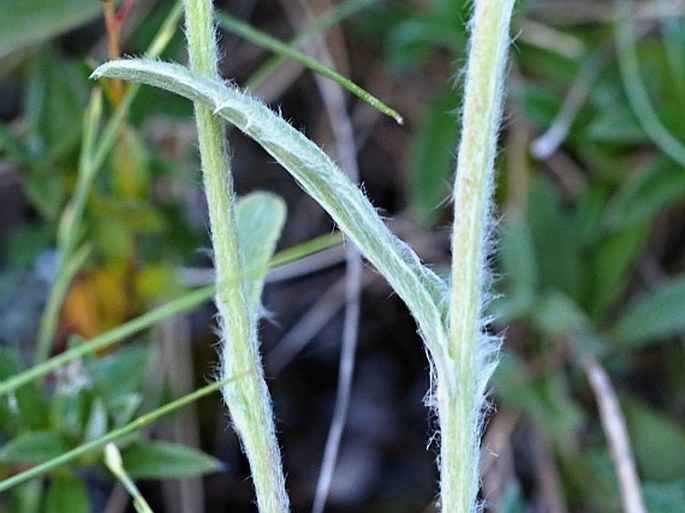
(464, 368)
(248, 401)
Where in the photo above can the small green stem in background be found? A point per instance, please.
(248, 401)
(333, 16)
(260, 38)
(116, 467)
(470, 356)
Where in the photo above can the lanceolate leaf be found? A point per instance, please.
(161, 460)
(34, 447)
(656, 315)
(422, 290)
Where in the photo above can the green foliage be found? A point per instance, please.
(34, 447)
(654, 316)
(433, 157)
(67, 493)
(575, 259)
(161, 460)
(32, 21)
(661, 442)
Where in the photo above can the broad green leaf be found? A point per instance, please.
(660, 184)
(34, 447)
(25, 22)
(162, 460)
(654, 316)
(658, 442)
(121, 372)
(123, 407)
(664, 497)
(432, 159)
(611, 265)
(67, 493)
(54, 102)
(70, 408)
(588, 214)
(260, 220)
(590, 476)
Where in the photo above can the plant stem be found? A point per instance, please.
(471, 353)
(248, 401)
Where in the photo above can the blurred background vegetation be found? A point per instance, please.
(589, 270)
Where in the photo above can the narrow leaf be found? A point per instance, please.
(432, 161)
(34, 447)
(260, 38)
(654, 316)
(422, 290)
(162, 460)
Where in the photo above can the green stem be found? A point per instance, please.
(471, 353)
(183, 304)
(264, 40)
(248, 401)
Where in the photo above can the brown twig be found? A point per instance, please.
(617, 436)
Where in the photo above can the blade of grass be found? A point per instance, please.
(333, 16)
(635, 88)
(264, 40)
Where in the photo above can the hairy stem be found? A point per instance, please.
(248, 401)
(470, 356)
